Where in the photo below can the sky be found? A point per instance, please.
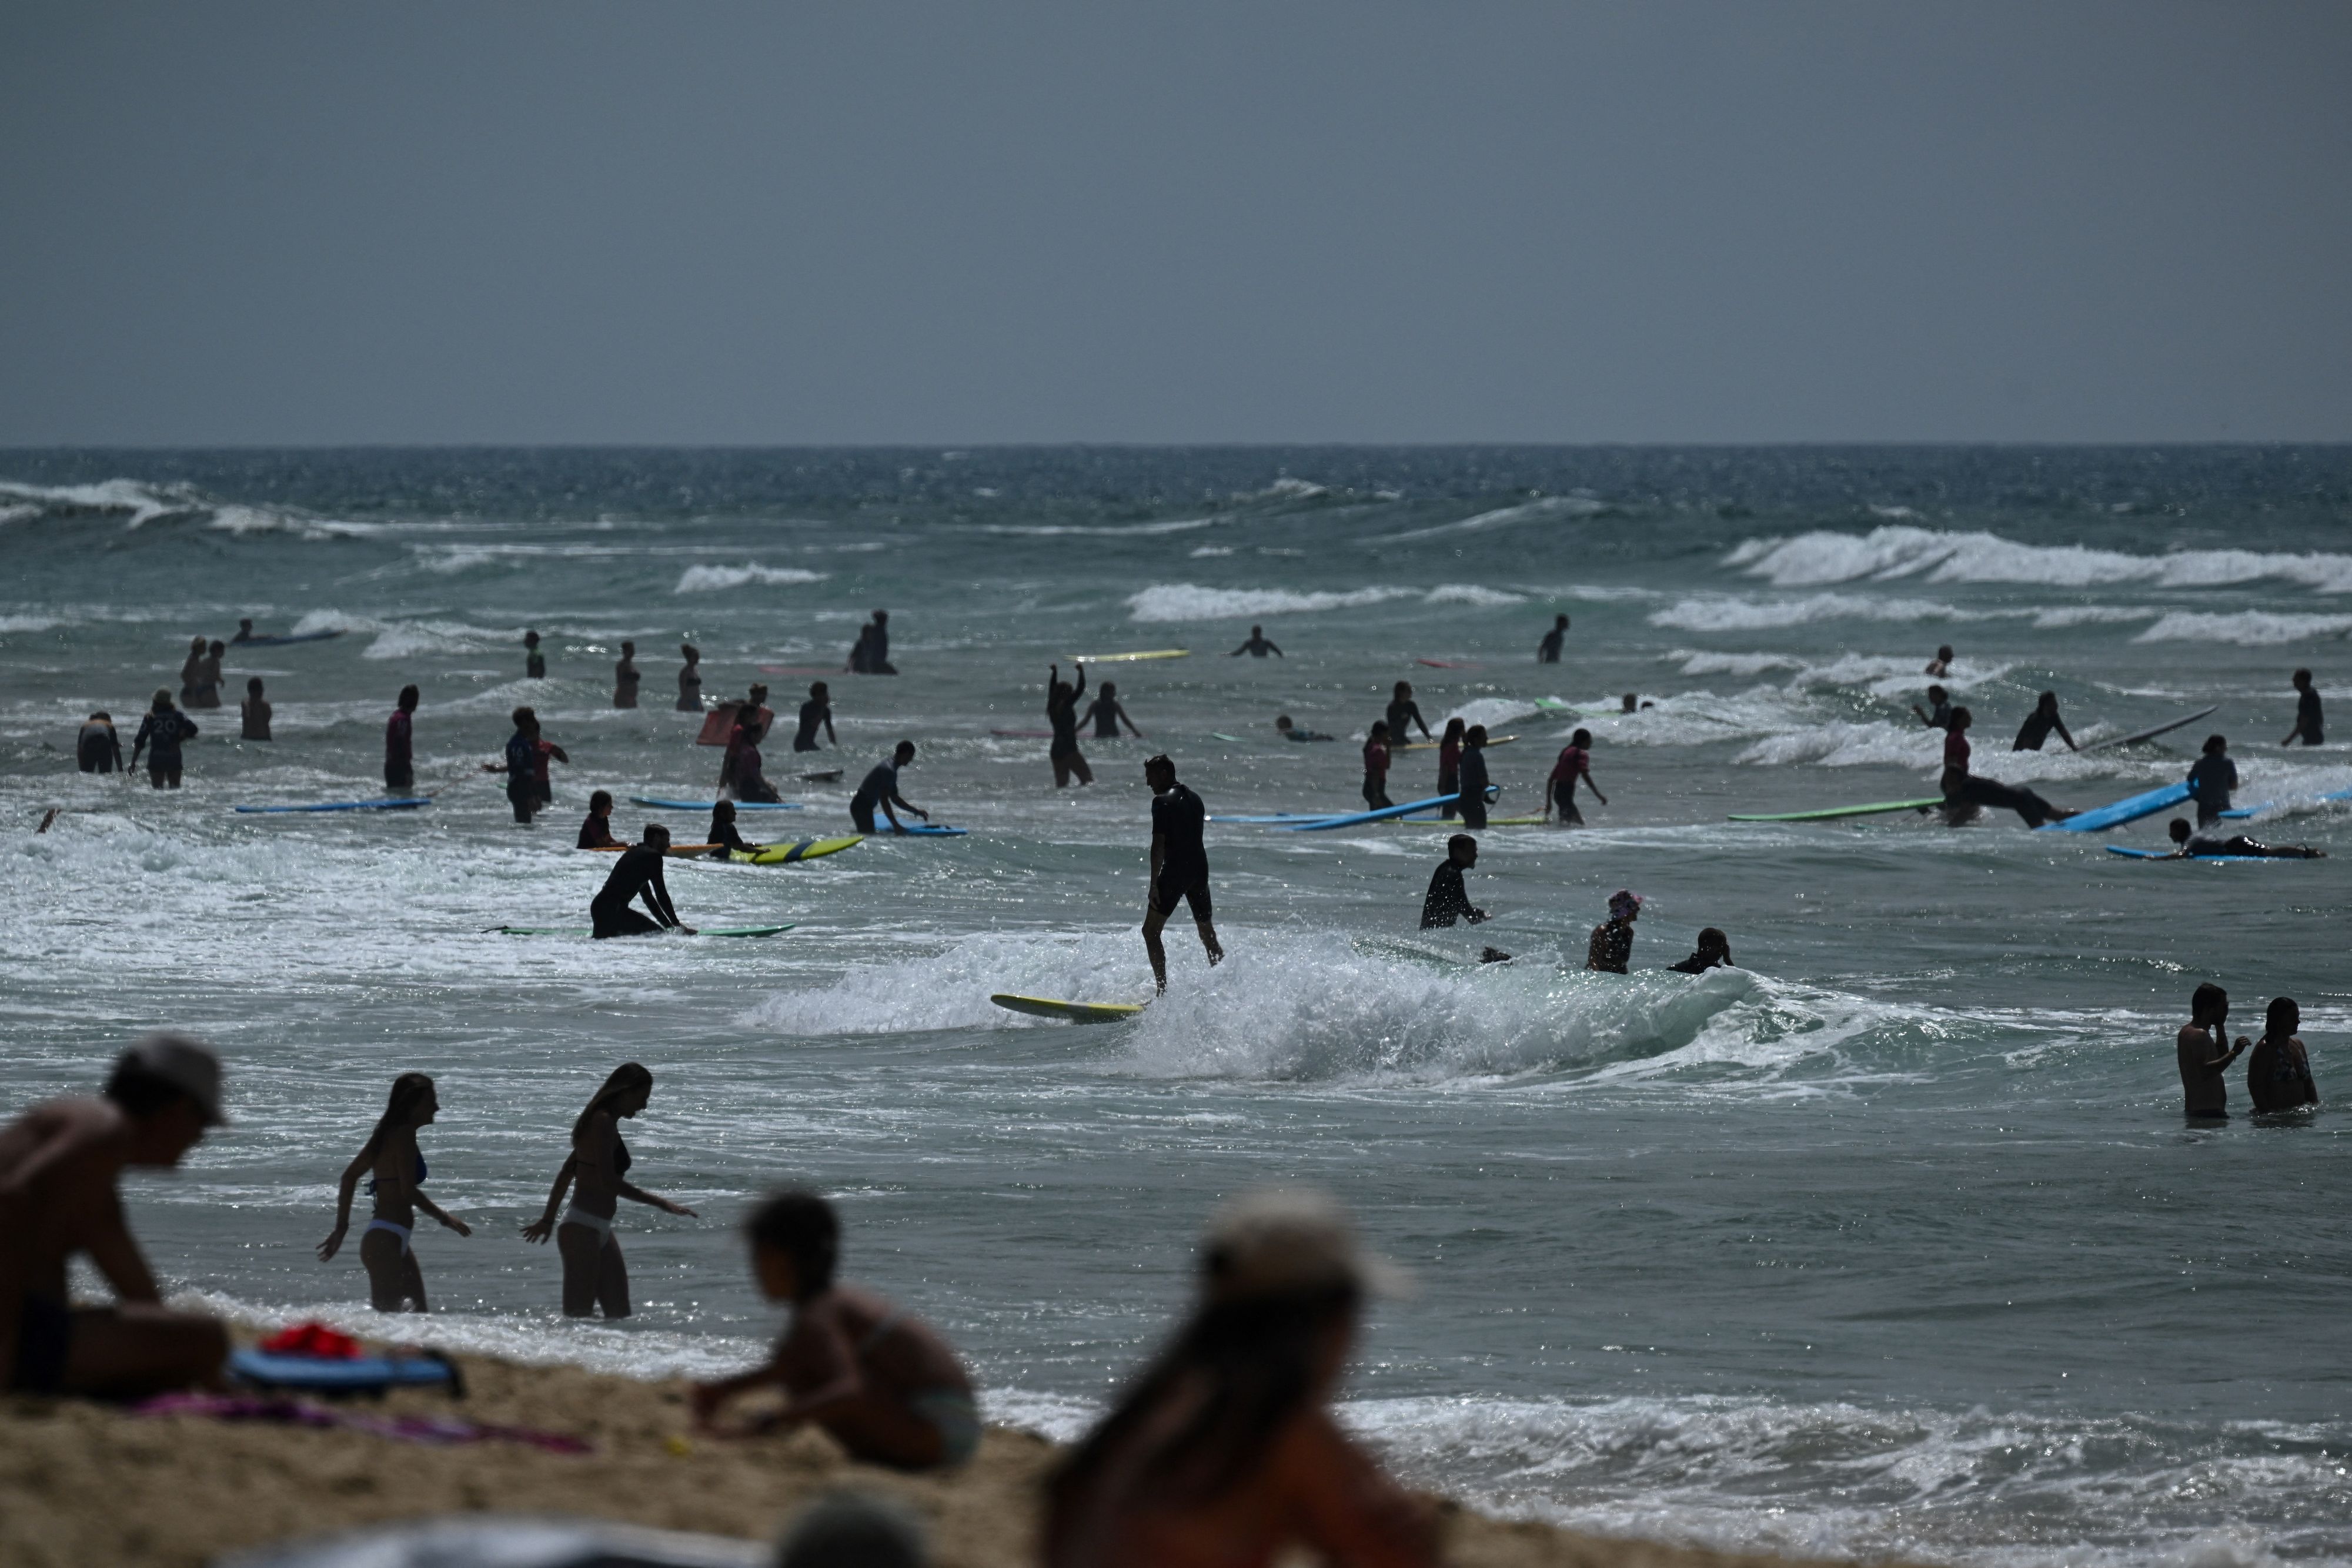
(1370, 222)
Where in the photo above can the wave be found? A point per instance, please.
(1504, 517)
(2246, 628)
(1900, 550)
(1100, 530)
(407, 639)
(714, 579)
(138, 504)
(1734, 612)
(1174, 602)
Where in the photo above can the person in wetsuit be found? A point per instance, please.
(596, 830)
(1376, 768)
(1449, 766)
(1714, 952)
(254, 712)
(1179, 867)
(723, 832)
(1941, 664)
(2040, 723)
(638, 874)
(99, 749)
(2205, 1054)
(2211, 780)
(880, 787)
(745, 772)
(870, 655)
(1938, 713)
(534, 663)
(244, 632)
(625, 677)
(1289, 731)
(1575, 762)
(1471, 777)
(1106, 715)
(817, 710)
(689, 679)
(528, 789)
(1403, 711)
(1447, 900)
(2310, 721)
(160, 735)
(1547, 651)
(395, 1171)
(2190, 846)
(1062, 713)
(1257, 646)
(1611, 950)
(2278, 1073)
(1964, 792)
(399, 739)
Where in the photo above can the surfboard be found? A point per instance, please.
(658, 804)
(323, 1374)
(283, 641)
(1492, 741)
(922, 830)
(1231, 739)
(2122, 812)
(1075, 1012)
(1553, 705)
(1448, 664)
(674, 851)
(1877, 807)
(1491, 822)
(1353, 818)
(806, 849)
(1023, 734)
(831, 776)
(2226, 860)
(2137, 735)
(2240, 812)
(1130, 658)
(719, 724)
(589, 930)
(398, 803)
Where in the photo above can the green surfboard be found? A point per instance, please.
(1876, 808)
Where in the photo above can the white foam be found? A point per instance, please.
(1186, 602)
(2246, 628)
(1548, 507)
(712, 579)
(1471, 593)
(1735, 613)
(1844, 744)
(1946, 556)
(138, 504)
(1490, 712)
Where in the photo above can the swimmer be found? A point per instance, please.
(723, 832)
(880, 787)
(2211, 780)
(99, 747)
(881, 1381)
(163, 728)
(596, 830)
(1938, 713)
(689, 679)
(625, 677)
(2278, 1073)
(2187, 845)
(1714, 952)
(817, 710)
(244, 631)
(1403, 711)
(254, 712)
(595, 1275)
(1941, 664)
(528, 789)
(1575, 762)
(1964, 793)
(1449, 766)
(1106, 715)
(1289, 731)
(1257, 646)
(1611, 950)
(1632, 702)
(638, 875)
(399, 754)
(1376, 768)
(396, 1172)
(2040, 723)
(1471, 778)
(1062, 713)
(2205, 1054)
(1447, 900)
(2310, 722)
(1547, 651)
(60, 1167)
(1179, 867)
(534, 663)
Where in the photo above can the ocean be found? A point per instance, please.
(1891, 1240)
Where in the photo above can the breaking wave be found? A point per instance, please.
(1940, 555)
(714, 579)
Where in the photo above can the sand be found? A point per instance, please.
(84, 1484)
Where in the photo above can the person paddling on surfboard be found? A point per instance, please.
(395, 1173)
(594, 1273)
(1257, 646)
(1179, 867)
(1289, 731)
(638, 874)
(244, 631)
(880, 787)
(2188, 845)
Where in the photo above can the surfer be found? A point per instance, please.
(625, 677)
(1611, 947)
(1449, 766)
(1470, 777)
(399, 758)
(1575, 762)
(1289, 731)
(254, 712)
(1179, 867)
(595, 1275)
(1105, 714)
(2191, 846)
(596, 830)
(880, 787)
(1547, 651)
(534, 663)
(1403, 711)
(528, 788)
(1062, 713)
(817, 710)
(743, 770)
(2278, 1073)
(880, 1380)
(2205, 1054)
(1632, 702)
(99, 749)
(723, 832)
(1714, 952)
(689, 679)
(1941, 664)
(244, 631)
(2211, 780)
(1963, 792)
(1376, 768)
(160, 735)
(1224, 1450)
(1257, 646)
(2040, 723)
(1447, 900)
(1938, 713)
(60, 1166)
(2310, 723)
(192, 671)
(638, 875)
(395, 1171)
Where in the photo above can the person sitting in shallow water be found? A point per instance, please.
(881, 1381)
(2188, 845)
(1714, 953)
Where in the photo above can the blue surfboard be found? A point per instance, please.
(321, 1375)
(283, 641)
(661, 805)
(1323, 824)
(920, 830)
(2228, 860)
(402, 803)
(2122, 812)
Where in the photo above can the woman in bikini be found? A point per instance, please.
(594, 1274)
(396, 1169)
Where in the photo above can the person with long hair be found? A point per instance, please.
(594, 1273)
(162, 730)
(396, 1170)
(1449, 764)
(2278, 1073)
(1224, 1450)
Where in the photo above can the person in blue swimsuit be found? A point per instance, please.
(396, 1169)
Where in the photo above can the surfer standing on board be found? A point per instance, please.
(1547, 651)
(2310, 723)
(1062, 713)
(1257, 646)
(880, 787)
(1180, 865)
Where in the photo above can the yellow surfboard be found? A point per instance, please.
(1075, 1012)
(805, 849)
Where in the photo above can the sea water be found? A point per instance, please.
(1891, 1240)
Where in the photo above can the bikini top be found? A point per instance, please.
(418, 1181)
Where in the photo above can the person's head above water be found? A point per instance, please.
(1160, 773)
(171, 1086)
(254, 685)
(759, 694)
(1961, 719)
(625, 1092)
(1936, 693)
(101, 717)
(1633, 700)
(1582, 737)
(1714, 943)
(1462, 849)
(1559, 623)
(2281, 1020)
(2049, 702)
(2214, 743)
(881, 618)
(689, 653)
(414, 1103)
(163, 701)
(1379, 729)
(1258, 632)
(522, 718)
(2302, 679)
(722, 811)
(530, 639)
(599, 804)
(795, 1245)
(1282, 721)
(656, 836)
(819, 690)
(407, 703)
(2209, 1004)
(2178, 828)
(245, 628)
(1624, 904)
(903, 753)
(195, 645)
(1106, 690)
(1403, 690)
(1454, 728)
(628, 650)
(219, 648)
(1475, 735)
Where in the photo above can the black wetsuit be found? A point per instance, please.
(2034, 731)
(534, 666)
(880, 785)
(1696, 964)
(2309, 722)
(1547, 652)
(2211, 780)
(725, 834)
(522, 782)
(2239, 844)
(638, 873)
(596, 833)
(1400, 713)
(1941, 715)
(1257, 648)
(1177, 821)
(99, 749)
(814, 712)
(1447, 900)
(161, 734)
(1470, 779)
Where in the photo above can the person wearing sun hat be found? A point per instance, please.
(1611, 948)
(59, 1166)
(1225, 1448)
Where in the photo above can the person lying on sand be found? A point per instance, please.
(880, 1380)
(59, 1166)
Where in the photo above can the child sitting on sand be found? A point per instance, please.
(880, 1380)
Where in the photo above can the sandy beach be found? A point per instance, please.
(82, 1483)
